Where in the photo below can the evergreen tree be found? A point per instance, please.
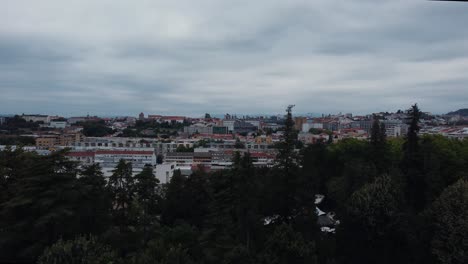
(286, 246)
(77, 251)
(96, 203)
(148, 197)
(286, 172)
(379, 145)
(174, 204)
(412, 165)
(122, 188)
(43, 205)
(378, 133)
(287, 158)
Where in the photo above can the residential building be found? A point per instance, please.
(108, 159)
(165, 171)
(83, 157)
(58, 124)
(36, 118)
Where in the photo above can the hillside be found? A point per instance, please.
(462, 112)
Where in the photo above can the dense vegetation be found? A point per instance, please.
(95, 128)
(462, 112)
(17, 140)
(16, 125)
(153, 128)
(399, 201)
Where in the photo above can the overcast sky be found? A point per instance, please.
(119, 57)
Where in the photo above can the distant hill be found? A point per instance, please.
(462, 112)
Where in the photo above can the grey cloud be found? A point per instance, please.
(186, 57)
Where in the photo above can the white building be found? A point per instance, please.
(36, 118)
(307, 126)
(108, 159)
(229, 124)
(58, 124)
(165, 171)
(199, 129)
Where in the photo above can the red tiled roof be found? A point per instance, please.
(81, 154)
(123, 152)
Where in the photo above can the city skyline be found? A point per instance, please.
(126, 57)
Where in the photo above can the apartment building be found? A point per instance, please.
(108, 159)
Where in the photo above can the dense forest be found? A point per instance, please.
(402, 200)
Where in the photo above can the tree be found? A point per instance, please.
(174, 200)
(373, 223)
(287, 246)
(178, 245)
(148, 197)
(411, 164)
(379, 148)
(411, 144)
(121, 186)
(287, 157)
(239, 144)
(449, 215)
(44, 195)
(207, 116)
(159, 159)
(378, 135)
(95, 128)
(286, 171)
(96, 203)
(82, 249)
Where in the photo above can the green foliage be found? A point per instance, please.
(398, 201)
(376, 206)
(287, 246)
(183, 148)
(17, 140)
(96, 199)
(153, 128)
(81, 250)
(122, 189)
(449, 215)
(148, 197)
(17, 124)
(95, 128)
(43, 193)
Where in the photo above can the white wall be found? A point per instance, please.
(165, 171)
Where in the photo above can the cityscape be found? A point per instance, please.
(170, 143)
(233, 132)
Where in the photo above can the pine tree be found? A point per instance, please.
(379, 146)
(412, 162)
(43, 206)
(121, 186)
(376, 131)
(412, 140)
(148, 197)
(286, 172)
(79, 250)
(287, 157)
(96, 203)
(173, 206)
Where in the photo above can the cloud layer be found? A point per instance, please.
(116, 57)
